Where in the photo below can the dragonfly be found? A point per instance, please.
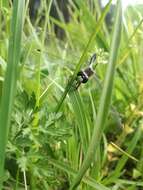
(61, 55)
(84, 75)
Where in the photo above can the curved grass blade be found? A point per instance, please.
(83, 57)
(9, 86)
(124, 152)
(105, 98)
(81, 118)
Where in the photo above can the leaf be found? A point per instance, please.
(9, 86)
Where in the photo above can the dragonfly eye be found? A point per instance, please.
(84, 76)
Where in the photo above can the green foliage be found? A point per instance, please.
(52, 130)
(9, 85)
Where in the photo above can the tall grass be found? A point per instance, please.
(105, 98)
(90, 137)
(9, 86)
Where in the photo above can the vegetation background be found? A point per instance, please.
(52, 136)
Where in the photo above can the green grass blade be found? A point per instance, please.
(80, 114)
(130, 182)
(9, 86)
(105, 99)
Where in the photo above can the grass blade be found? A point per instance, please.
(9, 86)
(105, 99)
(80, 114)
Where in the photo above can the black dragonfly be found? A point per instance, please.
(84, 75)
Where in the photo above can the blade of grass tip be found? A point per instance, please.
(105, 98)
(9, 86)
(83, 57)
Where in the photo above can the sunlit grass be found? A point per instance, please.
(59, 137)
